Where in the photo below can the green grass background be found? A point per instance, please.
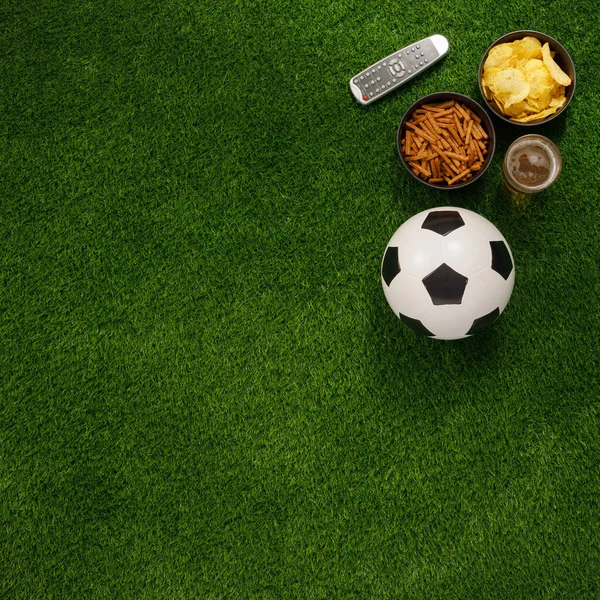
(203, 393)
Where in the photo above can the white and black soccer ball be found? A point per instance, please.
(448, 273)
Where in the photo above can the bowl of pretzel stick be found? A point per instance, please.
(446, 140)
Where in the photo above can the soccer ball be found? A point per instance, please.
(448, 273)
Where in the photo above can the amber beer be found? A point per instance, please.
(531, 164)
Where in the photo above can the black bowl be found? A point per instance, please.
(562, 58)
(486, 122)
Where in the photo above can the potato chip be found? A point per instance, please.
(558, 102)
(489, 73)
(517, 62)
(527, 48)
(517, 109)
(534, 63)
(532, 105)
(541, 85)
(498, 55)
(536, 117)
(510, 86)
(540, 82)
(498, 104)
(523, 81)
(544, 100)
(521, 109)
(557, 73)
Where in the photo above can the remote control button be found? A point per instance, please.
(379, 67)
(371, 94)
(421, 63)
(412, 49)
(365, 97)
(393, 61)
(418, 46)
(407, 53)
(382, 86)
(377, 90)
(426, 61)
(409, 71)
(372, 82)
(394, 80)
(401, 74)
(379, 79)
(361, 77)
(356, 81)
(402, 65)
(366, 85)
(391, 70)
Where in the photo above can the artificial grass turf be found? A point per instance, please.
(203, 391)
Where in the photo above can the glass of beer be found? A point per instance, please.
(531, 164)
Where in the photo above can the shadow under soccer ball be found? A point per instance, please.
(448, 273)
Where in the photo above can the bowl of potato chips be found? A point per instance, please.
(527, 78)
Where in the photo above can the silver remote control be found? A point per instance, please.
(396, 69)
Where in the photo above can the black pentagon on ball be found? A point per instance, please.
(416, 325)
(483, 322)
(501, 261)
(391, 265)
(445, 285)
(443, 221)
